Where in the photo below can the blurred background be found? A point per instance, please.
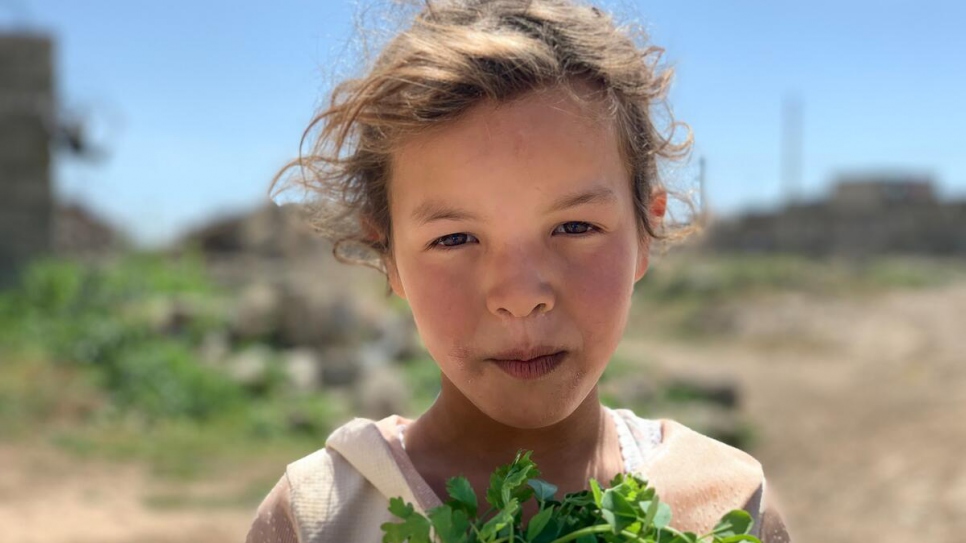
(170, 338)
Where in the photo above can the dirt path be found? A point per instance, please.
(861, 417)
(48, 497)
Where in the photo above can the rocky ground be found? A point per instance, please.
(858, 403)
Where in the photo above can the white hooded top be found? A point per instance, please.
(341, 493)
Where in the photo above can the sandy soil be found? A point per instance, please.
(48, 497)
(860, 405)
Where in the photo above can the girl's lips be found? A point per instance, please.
(531, 369)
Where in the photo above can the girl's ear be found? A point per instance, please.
(643, 257)
(371, 233)
(656, 209)
(392, 274)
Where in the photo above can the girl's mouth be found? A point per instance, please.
(533, 368)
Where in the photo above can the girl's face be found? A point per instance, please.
(515, 236)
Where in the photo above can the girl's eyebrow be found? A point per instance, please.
(434, 210)
(593, 195)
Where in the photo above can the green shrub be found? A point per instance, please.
(98, 317)
(86, 361)
(163, 379)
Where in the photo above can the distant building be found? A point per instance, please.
(79, 233)
(32, 222)
(26, 117)
(868, 214)
(882, 190)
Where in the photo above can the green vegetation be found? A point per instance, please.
(422, 379)
(721, 278)
(627, 511)
(98, 360)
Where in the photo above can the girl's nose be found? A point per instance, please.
(518, 287)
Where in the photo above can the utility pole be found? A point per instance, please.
(702, 187)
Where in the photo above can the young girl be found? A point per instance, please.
(499, 162)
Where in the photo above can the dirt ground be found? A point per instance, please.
(860, 407)
(47, 496)
(859, 404)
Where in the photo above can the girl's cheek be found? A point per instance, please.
(604, 274)
(598, 289)
(440, 295)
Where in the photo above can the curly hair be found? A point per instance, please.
(456, 54)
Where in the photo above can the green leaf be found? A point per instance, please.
(464, 498)
(628, 511)
(580, 499)
(500, 521)
(544, 490)
(650, 511)
(414, 528)
(656, 513)
(735, 522)
(595, 490)
(516, 479)
(538, 523)
(400, 509)
(618, 479)
(663, 516)
(451, 526)
(552, 531)
(634, 527)
(670, 535)
(617, 511)
(509, 481)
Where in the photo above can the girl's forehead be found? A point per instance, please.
(548, 121)
(579, 105)
(502, 158)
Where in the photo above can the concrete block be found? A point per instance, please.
(24, 235)
(23, 138)
(24, 187)
(26, 63)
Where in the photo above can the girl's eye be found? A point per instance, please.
(574, 228)
(452, 240)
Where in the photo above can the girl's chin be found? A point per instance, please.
(522, 404)
(530, 414)
(527, 421)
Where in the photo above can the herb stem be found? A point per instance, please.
(595, 530)
(633, 536)
(582, 532)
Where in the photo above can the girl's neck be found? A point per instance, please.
(454, 437)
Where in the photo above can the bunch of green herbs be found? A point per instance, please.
(627, 511)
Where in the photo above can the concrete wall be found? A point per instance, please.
(830, 230)
(871, 193)
(26, 115)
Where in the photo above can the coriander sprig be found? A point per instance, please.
(628, 511)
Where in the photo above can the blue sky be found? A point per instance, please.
(199, 103)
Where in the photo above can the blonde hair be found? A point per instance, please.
(454, 55)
